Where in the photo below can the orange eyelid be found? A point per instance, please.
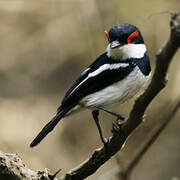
(132, 35)
(107, 35)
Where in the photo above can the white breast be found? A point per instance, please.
(118, 92)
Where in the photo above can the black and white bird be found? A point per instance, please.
(114, 77)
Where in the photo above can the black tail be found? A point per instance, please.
(49, 126)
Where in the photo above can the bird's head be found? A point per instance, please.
(125, 41)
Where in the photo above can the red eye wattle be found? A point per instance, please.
(132, 35)
(107, 35)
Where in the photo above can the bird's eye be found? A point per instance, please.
(132, 39)
(132, 36)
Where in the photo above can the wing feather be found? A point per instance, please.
(99, 75)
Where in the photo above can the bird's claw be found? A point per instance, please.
(105, 142)
(117, 125)
(121, 118)
(115, 128)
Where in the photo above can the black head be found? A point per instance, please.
(124, 34)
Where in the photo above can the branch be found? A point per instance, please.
(163, 59)
(124, 173)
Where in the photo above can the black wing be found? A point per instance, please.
(87, 84)
(143, 64)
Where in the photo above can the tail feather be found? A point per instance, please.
(49, 127)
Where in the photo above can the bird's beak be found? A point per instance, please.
(115, 44)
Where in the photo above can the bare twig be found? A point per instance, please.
(124, 173)
(164, 57)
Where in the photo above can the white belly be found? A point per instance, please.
(119, 91)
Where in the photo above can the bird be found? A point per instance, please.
(116, 76)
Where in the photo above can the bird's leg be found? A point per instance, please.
(119, 121)
(95, 114)
(119, 117)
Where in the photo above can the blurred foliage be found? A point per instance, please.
(44, 45)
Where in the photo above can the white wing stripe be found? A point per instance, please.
(101, 69)
(107, 67)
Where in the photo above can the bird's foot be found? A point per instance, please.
(115, 128)
(105, 142)
(117, 125)
(121, 118)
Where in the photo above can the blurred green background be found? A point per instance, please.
(44, 45)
